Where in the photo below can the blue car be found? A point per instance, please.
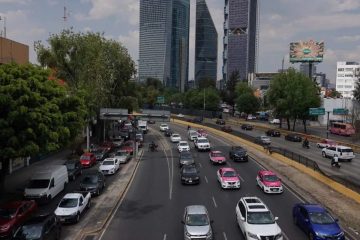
(317, 222)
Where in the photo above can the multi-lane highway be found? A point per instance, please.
(154, 204)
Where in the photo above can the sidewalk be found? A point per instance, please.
(15, 182)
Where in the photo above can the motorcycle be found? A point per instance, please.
(306, 145)
(153, 147)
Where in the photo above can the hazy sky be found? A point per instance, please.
(337, 22)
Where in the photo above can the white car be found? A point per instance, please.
(122, 156)
(256, 220)
(109, 166)
(183, 146)
(202, 144)
(180, 115)
(275, 121)
(251, 117)
(72, 205)
(164, 127)
(175, 137)
(342, 152)
(192, 135)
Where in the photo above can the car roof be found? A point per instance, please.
(314, 207)
(254, 204)
(267, 172)
(216, 151)
(343, 147)
(87, 154)
(175, 134)
(72, 195)
(196, 209)
(183, 142)
(227, 169)
(202, 138)
(38, 219)
(109, 160)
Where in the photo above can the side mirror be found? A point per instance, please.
(242, 218)
(276, 218)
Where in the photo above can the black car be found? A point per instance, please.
(220, 121)
(168, 132)
(124, 134)
(273, 133)
(247, 127)
(39, 227)
(238, 153)
(198, 120)
(74, 168)
(189, 174)
(101, 154)
(151, 121)
(185, 158)
(293, 138)
(93, 182)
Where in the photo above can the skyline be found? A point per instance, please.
(280, 24)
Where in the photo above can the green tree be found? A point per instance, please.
(357, 91)
(37, 115)
(212, 99)
(206, 82)
(229, 95)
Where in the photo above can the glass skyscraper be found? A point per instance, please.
(155, 39)
(206, 44)
(240, 37)
(180, 45)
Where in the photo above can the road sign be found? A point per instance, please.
(316, 111)
(340, 111)
(160, 100)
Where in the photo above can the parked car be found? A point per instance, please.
(189, 174)
(228, 178)
(45, 184)
(263, 140)
(122, 156)
(274, 121)
(109, 166)
(220, 121)
(293, 137)
(180, 115)
(269, 182)
(202, 144)
(88, 159)
(124, 133)
(175, 138)
(163, 127)
(256, 220)
(151, 121)
(107, 145)
(139, 137)
(74, 168)
(197, 223)
(93, 182)
(326, 143)
(192, 135)
(342, 152)
(117, 141)
(226, 128)
(185, 158)
(202, 133)
(101, 153)
(217, 157)
(13, 215)
(168, 132)
(238, 153)
(128, 146)
(317, 222)
(247, 127)
(72, 206)
(183, 146)
(40, 227)
(273, 133)
(251, 117)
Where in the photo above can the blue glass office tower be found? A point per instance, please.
(206, 44)
(240, 37)
(155, 39)
(180, 45)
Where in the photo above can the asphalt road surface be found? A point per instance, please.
(154, 204)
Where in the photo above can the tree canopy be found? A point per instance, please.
(246, 101)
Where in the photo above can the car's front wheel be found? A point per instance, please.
(324, 155)
(311, 236)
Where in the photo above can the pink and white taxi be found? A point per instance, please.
(228, 178)
(202, 133)
(217, 157)
(269, 182)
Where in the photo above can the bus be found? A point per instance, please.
(343, 129)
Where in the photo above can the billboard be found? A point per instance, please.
(306, 51)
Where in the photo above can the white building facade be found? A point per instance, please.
(346, 78)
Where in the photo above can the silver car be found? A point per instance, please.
(197, 224)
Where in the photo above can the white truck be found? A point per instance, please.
(72, 206)
(142, 125)
(202, 144)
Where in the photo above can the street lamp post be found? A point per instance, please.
(327, 124)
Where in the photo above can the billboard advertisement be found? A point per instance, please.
(306, 51)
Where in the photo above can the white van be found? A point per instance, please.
(47, 183)
(142, 125)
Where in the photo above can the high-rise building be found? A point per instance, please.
(240, 37)
(305, 69)
(347, 77)
(179, 45)
(206, 44)
(155, 39)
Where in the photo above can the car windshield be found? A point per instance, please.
(175, 135)
(70, 166)
(7, 213)
(197, 220)
(29, 232)
(68, 203)
(216, 155)
(87, 158)
(119, 154)
(202, 140)
(190, 170)
(99, 151)
(108, 162)
(347, 150)
(183, 144)
(90, 179)
(229, 174)
(321, 218)
(39, 183)
(260, 218)
(164, 125)
(271, 178)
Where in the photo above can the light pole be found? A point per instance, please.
(327, 124)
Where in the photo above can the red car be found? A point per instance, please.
(269, 182)
(13, 215)
(88, 159)
(326, 143)
(226, 128)
(128, 146)
(107, 145)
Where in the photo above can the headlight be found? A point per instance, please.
(341, 234)
(209, 234)
(320, 235)
(278, 236)
(73, 214)
(187, 234)
(252, 235)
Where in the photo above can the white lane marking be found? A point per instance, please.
(206, 180)
(213, 198)
(164, 237)
(285, 236)
(224, 234)
(228, 163)
(200, 165)
(241, 179)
